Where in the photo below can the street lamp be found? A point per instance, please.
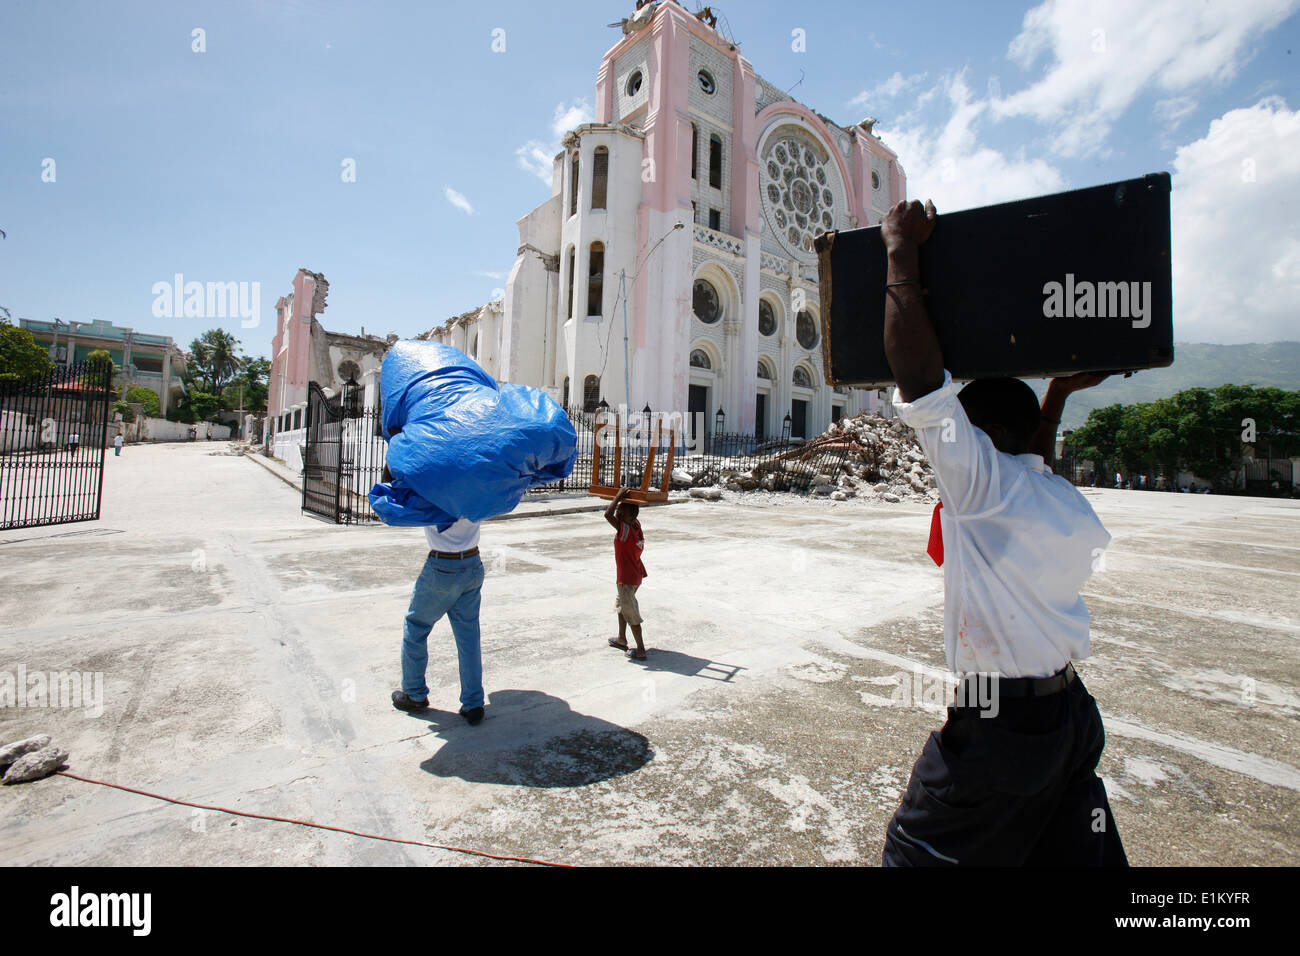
(785, 428)
(622, 280)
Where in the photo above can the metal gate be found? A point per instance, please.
(53, 429)
(345, 455)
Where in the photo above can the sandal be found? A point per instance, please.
(635, 655)
(614, 642)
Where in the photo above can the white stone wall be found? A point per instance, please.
(593, 344)
(718, 105)
(704, 196)
(634, 58)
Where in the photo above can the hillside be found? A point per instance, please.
(1206, 366)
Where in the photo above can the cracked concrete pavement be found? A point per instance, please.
(247, 654)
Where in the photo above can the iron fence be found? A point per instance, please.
(345, 455)
(53, 432)
(708, 459)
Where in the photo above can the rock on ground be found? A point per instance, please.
(708, 494)
(37, 764)
(11, 752)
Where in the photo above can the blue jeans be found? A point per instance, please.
(452, 587)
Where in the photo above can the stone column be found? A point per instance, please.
(167, 381)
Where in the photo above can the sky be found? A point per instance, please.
(394, 146)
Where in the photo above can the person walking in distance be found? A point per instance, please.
(1010, 779)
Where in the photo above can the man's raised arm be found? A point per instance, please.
(1044, 441)
(910, 343)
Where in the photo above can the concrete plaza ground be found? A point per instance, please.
(248, 653)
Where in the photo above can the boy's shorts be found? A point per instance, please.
(626, 603)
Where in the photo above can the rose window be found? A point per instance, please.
(798, 198)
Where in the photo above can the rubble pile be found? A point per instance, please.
(867, 457)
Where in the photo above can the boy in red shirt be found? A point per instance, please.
(628, 545)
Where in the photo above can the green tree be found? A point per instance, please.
(1203, 431)
(215, 358)
(20, 356)
(102, 357)
(199, 406)
(249, 386)
(147, 397)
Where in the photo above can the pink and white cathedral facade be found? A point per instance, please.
(723, 312)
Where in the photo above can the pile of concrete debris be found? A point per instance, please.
(866, 457)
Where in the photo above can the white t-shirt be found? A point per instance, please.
(117, 441)
(462, 536)
(1018, 544)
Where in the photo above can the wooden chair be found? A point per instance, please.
(645, 494)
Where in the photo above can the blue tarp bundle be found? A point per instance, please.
(459, 444)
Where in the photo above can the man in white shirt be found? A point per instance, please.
(117, 445)
(1012, 782)
(450, 584)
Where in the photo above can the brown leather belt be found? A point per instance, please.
(454, 555)
(1026, 686)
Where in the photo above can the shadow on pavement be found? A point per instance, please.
(531, 739)
(677, 663)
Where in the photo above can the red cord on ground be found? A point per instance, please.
(306, 823)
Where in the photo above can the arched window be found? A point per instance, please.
(349, 371)
(805, 330)
(801, 378)
(764, 370)
(590, 393)
(596, 279)
(473, 349)
(766, 318)
(573, 185)
(599, 177)
(715, 162)
(700, 359)
(565, 403)
(707, 305)
(695, 150)
(573, 265)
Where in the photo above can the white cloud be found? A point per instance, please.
(538, 156)
(534, 157)
(886, 91)
(1170, 113)
(1236, 249)
(1103, 53)
(951, 166)
(459, 201)
(569, 116)
(486, 274)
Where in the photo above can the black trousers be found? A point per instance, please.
(1016, 789)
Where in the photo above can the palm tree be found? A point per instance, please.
(216, 354)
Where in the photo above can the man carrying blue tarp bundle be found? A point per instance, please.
(1012, 783)
(461, 449)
